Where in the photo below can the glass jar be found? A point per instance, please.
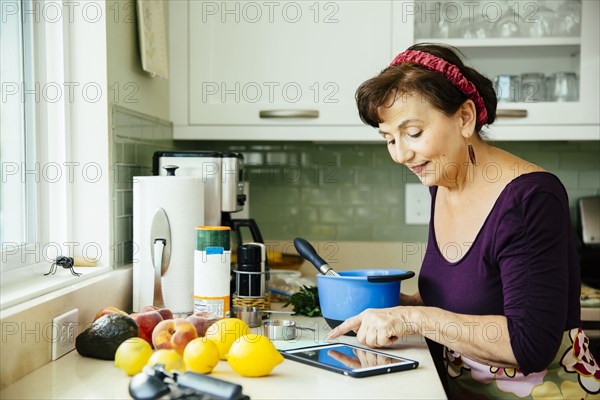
(540, 23)
(533, 87)
(507, 88)
(563, 86)
(568, 19)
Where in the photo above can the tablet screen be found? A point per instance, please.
(349, 358)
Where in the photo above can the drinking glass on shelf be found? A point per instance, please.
(568, 19)
(507, 88)
(533, 87)
(440, 25)
(539, 23)
(563, 86)
(473, 25)
(508, 25)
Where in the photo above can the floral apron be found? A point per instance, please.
(573, 374)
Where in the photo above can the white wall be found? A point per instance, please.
(128, 84)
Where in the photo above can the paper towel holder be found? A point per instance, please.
(160, 243)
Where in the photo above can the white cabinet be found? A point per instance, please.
(528, 118)
(275, 70)
(289, 70)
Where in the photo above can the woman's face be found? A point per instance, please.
(428, 142)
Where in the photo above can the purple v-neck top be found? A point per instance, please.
(522, 264)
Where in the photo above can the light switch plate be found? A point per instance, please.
(417, 203)
(64, 327)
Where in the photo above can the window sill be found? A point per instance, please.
(25, 284)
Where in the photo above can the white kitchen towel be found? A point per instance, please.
(182, 199)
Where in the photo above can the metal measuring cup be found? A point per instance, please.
(253, 316)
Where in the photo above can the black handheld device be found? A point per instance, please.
(350, 360)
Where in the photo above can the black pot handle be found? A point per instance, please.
(236, 224)
(390, 278)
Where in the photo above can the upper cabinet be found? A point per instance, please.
(289, 70)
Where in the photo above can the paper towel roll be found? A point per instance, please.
(182, 199)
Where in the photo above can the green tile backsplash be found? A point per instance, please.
(135, 137)
(355, 192)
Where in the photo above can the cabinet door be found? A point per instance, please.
(283, 63)
(482, 31)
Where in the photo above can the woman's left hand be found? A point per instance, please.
(377, 327)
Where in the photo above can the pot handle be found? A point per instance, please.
(390, 278)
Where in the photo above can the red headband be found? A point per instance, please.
(450, 72)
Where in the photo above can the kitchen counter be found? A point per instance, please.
(76, 377)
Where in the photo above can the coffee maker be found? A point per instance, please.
(588, 239)
(223, 177)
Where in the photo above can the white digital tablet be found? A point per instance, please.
(350, 360)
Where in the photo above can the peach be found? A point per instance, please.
(109, 310)
(164, 312)
(174, 334)
(147, 321)
(202, 321)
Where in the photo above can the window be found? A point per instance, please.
(18, 197)
(50, 52)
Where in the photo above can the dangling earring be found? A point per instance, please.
(472, 154)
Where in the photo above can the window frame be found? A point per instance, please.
(70, 132)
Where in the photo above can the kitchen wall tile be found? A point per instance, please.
(335, 181)
(135, 138)
(319, 196)
(569, 178)
(589, 179)
(579, 160)
(546, 160)
(357, 157)
(356, 196)
(338, 176)
(321, 156)
(355, 232)
(370, 176)
(388, 196)
(275, 195)
(371, 215)
(319, 231)
(338, 215)
(300, 214)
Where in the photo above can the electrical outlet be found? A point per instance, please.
(64, 327)
(418, 204)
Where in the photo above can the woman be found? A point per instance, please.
(499, 286)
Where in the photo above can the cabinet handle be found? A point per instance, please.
(511, 113)
(289, 114)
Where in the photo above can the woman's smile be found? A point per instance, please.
(417, 169)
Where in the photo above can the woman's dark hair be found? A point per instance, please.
(408, 78)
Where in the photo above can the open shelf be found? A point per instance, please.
(505, 42)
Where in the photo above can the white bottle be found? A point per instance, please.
(212, 265)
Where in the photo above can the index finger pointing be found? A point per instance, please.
(351, 324)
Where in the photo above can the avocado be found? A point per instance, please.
(104, 336)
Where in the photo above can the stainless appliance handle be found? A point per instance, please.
(279, 114)
(159, 246)
(521, 113)
(160, 237)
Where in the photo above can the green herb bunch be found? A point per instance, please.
(306, 302)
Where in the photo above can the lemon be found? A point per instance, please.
(201, 355)
(253, 355)
(132, 355)
(170, 358)
(226, 331)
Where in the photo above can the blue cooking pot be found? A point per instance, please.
(349, 294)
